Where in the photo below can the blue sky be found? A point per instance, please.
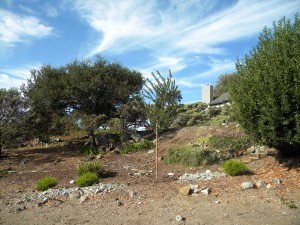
(197, 39)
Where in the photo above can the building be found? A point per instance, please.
(208, 98)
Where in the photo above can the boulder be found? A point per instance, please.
(185, 190)
(247, 185)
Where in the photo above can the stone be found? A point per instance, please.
(206, 191)
(277, 181)
(269, 186)
(72, 181)
(260, 183)
(185, 190)
(179, 218)
(99, 156)
(132, 193)
(160, 158)
(194, 186)
(170, 174)
(116, 151)
(150, 151)
(83, 199)
(247, 185)
(74, 195)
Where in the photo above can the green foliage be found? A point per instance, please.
(234, 167)
(223, 83)
(45, 183)
(191, 155)
(90, 166)
(90, 150)
(2, 172)
(165, 96)
(229, 142)
(266, 90)
(137, 146)
(87, 179)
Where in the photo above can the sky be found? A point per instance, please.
(198, 40)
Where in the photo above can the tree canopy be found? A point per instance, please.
(223, 82)
(165, 97)
(266, 91)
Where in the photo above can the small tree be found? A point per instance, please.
(266, 91)
(223, 82)
(165, 97)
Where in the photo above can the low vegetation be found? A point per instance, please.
(137, 146)
(87, 179)
(2, 172)
(234, 167)
(191, 155)
(46, 183)
(95, 167)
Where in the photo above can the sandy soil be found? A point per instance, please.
(157, 201)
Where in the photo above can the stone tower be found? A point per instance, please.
(207, 93)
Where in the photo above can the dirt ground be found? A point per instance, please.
(157, 201)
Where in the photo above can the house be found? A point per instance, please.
(207, 97)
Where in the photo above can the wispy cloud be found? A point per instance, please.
(16, 76)
(51, 11)
(125, 25)
(15, 28)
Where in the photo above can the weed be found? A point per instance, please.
(45, 183)
(87, 179)
(234, 167)
(90, 166)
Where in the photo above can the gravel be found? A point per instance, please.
(200, 176)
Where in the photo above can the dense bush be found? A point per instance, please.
(137, 146)
(191, 155)
(87, 179)
(234, 167)
(90, 166)
(266, 91)
(45, 183)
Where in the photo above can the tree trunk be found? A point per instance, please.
(92, 138)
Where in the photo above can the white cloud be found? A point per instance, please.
(51, 11)
(192, 26)
(15, 28)
(14, 77)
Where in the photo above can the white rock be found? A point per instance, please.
(247, 185)
(72, 181)
(170, 174)
(178, 218)
(205, 191)
(150, 151)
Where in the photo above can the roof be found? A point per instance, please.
(224, 98)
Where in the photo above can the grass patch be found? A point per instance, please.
(89, 150)
(90, 166)
(234, 167)
(137, 146)
(46, 183)
(3, 172)
(87, 179)
(191, 155)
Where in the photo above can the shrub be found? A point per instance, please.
(90, 166)
(234, 167)
(45, 183)
(137, 146)
(87, 179)
(191, 155)
(229, 142)
(89, 150)
(2, 172)
(265, 93)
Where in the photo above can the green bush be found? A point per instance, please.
(265, 93)
(90, 166)
(87, 179)
(137, 146)
(2, 172)
(234, 167)
(191, 155)
(89, 150)
(234, 143)
(45, 183)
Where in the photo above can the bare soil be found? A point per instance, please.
(157, 200)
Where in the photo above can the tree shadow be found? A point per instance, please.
(108, 174)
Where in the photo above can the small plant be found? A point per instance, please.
(45, 183)
(234, 167)
(89, 150)
(87, 179)
(90, 166)
(2, 172)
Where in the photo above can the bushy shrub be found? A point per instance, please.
(87, 179)
(45, 183)
(137, 146)
(89, 150)
(234, 167)
(90, 166)
(234, 143)
(191, 155)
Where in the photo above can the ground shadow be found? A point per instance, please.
(109, 174)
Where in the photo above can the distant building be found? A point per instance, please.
(208, 98)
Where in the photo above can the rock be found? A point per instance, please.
(118, 203)
(170, 174)
(74, 195)
(72, 181)
(247, 185)
(83, 199)
(179, 218)
(205, 191)
(99, 157)
(269, 186)
(160, 158)
(277, 181)
(132, 193)
(185, 190)
(194, 186)
(260, 183)
(207, 171)
(150, 151)
(200, 176)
